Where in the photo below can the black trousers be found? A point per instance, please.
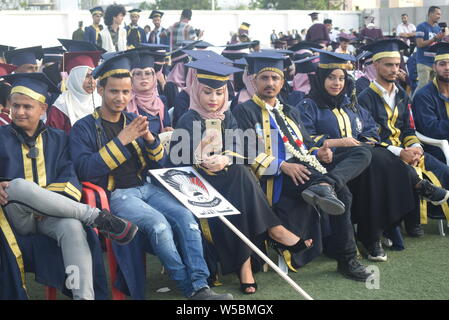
(347, 164)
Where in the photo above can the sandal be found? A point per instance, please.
(244, 286)
(298, 247)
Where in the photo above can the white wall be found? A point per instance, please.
(25, 28)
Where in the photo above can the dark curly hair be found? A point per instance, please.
(112, 11)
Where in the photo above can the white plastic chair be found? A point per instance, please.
(444, 146)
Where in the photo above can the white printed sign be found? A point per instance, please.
(194, 192)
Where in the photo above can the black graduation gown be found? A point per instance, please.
(170, 92)
(180, 105)
(239, 186)
(384, 193)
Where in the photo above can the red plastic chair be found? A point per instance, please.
(88, 197)
(104, 204)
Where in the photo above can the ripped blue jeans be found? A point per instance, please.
(157, 213)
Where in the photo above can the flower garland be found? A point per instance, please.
(301, 154)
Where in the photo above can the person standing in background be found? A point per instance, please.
(159, 35)
(427, 33)
(92, 33)
(79, 33)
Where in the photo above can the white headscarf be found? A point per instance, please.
(76, 103)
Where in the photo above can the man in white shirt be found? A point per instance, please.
(406, 30)
(114, 37)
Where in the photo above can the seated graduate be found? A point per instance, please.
(367, 72)
(145, 99)
(176, 79)
(430, 103)
(236, 53)
(5, 89)
(182, 100)
(209, 103)
(160, 66)
(388, 189)
(80, 97)
(287, 162)
(25, 58)
(389, 105)
(42, 193)
(115, 149)
(305, 68)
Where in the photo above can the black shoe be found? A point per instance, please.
(353, 269)
(324, 197)
(207, 294)
(376, 252)
(432, 193)
(118, 229)
(298, 247)
(415, 230)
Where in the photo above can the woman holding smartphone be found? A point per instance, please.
(215, 157)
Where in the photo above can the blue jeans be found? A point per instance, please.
(157, 213)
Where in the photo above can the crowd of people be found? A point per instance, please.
(307, 141)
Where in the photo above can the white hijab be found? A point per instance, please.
(76, 103)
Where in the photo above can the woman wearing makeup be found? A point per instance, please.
(216, 156)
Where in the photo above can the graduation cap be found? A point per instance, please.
(306, 65)
(155, 46)
(53, 54)
(4, 49)
(245, 26)
(79, 46)
(82, 58)
(212, 73)
(35, 85)
(179, 55)
(314, 15)
(327, 21)
(305, 45)
(386, 48)
(198, 44)
(363, 56)
(6, 69)
(23, 56)
(207, 55)
(145, 58)
(115, 63)
(240, 63)
(135, 12)
(53, 73)
(345, 37)
(265, 61)
(441, 50)
(234, 51)
(96, 10)
(284, 52)
(155, 14)
(333, 60)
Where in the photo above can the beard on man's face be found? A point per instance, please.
(442, 78)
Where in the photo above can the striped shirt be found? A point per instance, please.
(179, 32)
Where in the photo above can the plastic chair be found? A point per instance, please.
(88, 197)
(444, 146)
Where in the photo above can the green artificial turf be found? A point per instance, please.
(421, 271)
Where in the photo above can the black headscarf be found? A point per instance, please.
(323, 99)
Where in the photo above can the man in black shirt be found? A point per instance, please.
(114, 149)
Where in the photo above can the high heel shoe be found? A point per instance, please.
(298, 247)
(244, 286)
